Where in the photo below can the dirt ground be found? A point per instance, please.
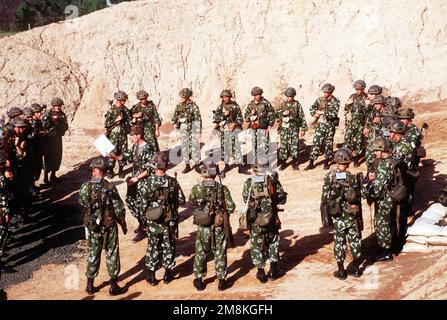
(306, 250)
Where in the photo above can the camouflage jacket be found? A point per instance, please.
(375, 130)
(187, 114)
(209, 198)
(264, 112)
(96, 196)
(413, 136)
(162, 191)
(149, 116)
(234, 116)
(384, 177)
(330, 108)
(357, 111)
(295, 120)
(264, 193)
(4, 207)
(55, 127)
(140, 156)
(402, 151)
(124, 126)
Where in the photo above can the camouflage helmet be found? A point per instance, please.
(120, 95)
(19, 123)
(359, 84)
(256, 91)
(375, 89)
(394, 102)
(160, 160)
(290, 92)
(389, 111)
(7, 131)
(35, 107)
(185, 93)
(14, 112)
(379, 99)
(27, 112)
(142, 95)
(98, 163)
(328, 88)
(136, 130)
(209, 170)
(343, 156)
(406, 113)
(57, 102)
(381, 144)
(397, 127)
(3, 156)
(226, 93)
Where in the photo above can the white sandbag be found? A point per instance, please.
(424, 230)
(437, 241)
(417, 239)
(436, 216)
(415, 247)
(438, 208)
(444, 231)
(424, 220)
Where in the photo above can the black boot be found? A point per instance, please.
(310, 166)
(241, 170)
(261, 276)
(151, 278)
(45, 177)
(222, 285)
(274, 271)
(115, 289)
(226, 168)
(326, 164)
(198, 284)
(282, 164)
(341, 272)
(187, 168)
(167, 276)
(353, 270)
(90, 289)
(295, 165)
(121, 172)
(139, 236)
(386, 255)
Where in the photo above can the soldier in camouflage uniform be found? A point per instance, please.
(145, 113)
(228, 120)
(13, 113)
(264, 193)
(38, 141)
(356, 115)
(325, 113)
(117, 125)
(161, 199)
(55, 123)
(291, 119)
(259, 116)
(140, 155)
(374, 129)
(212, 201)
(373, 91)
(188, 120)
(342, 198)
(377, 192)
(104, 209)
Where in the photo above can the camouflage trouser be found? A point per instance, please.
(3, 238)
(190, 145)
(263, 243)
(119, 141)
(354, 136)
(133, 200)
(346, 230)
(260, 143)
(323, 139)
(204, 248)
(150, 138)
(108, 240)
(399, 234)
(159, 243)
(369, 156)
(382, 224)
(230, 146)
(289, 143)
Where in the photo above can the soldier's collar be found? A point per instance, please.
(96, 180)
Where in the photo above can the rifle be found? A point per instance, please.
(226, 218)
(109, 129)
(360, 213)
(176, 204)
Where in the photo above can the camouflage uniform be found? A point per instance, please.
(148, 121)
(265, 117)
(413, 135)
(375, 130)
(55, 131)
(38, 140)
(103, 237)
(4, 211)
(264, 240)
(356, 114)
(187, 118)
(289, 129)
(346, 225)
(211, 239)
(229, 142)
(162, 191)
(118, 135)
(325, 127)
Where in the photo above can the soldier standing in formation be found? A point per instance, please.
(291, 119)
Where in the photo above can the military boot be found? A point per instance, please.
(341, 272)
(386, 255)
(295, 165)
(115, 289)
(121, 172)
(167, 276)
(282, 164)
(90, 289)
(139, 236)
(354, 268)
(326, 164)
(310, 166)
(222, 285)
(261, 276)
(198, 284)
(187, 168)
(226, 168)
(151, 278)
(45, 177)
(274, 271)
(241, 170)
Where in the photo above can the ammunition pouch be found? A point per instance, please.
(334, 208)
(421, 152)
(263, 219)
(90, 223)
(351, 195)
(109, 218)
(154, 213)
(398, 193)
(202, 218)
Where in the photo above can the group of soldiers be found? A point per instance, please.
(30, 140)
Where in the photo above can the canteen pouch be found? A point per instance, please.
(202, 218)
(334, 208)
(90, 223)
(154, 213)
(263, 218)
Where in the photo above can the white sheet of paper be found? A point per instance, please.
(103, 145)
